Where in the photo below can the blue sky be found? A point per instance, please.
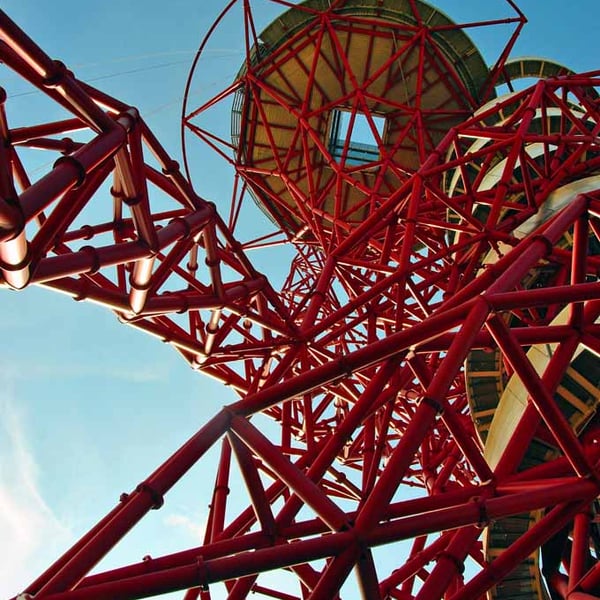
(89, 407)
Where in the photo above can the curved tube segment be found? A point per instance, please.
(14, 261)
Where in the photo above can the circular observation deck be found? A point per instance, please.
(336, 108)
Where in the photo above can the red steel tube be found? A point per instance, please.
(52, 73)
(71, 171)
(414, 564)
(591, 580)
(306, 489)
(91, 259)
(354, 361)
(134, 507)
(580, 548)
(553, 522)
(260, 501)
(201, 572)
(221, 493)
(336, 572)
(406, 519)
(319, 465)
(508, 272)
(244, 563)
(362, 403)
(540, 396)
(447, 567)
(231, 542)
(424, 416)
(525, 430)
(575, 292)
(560, 583)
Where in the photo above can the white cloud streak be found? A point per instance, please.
(192, 526)
(14, 370)
(31, 535)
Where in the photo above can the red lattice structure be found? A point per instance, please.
(431, 363)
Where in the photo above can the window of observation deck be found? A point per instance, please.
(360, 138)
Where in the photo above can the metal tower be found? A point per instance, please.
(430, 366)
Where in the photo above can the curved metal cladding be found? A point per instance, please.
(429, 366)
(498, 398)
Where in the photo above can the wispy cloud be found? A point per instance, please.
(14, 370)
(192, 525)
(30, 533)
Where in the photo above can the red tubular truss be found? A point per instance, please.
(432, 359)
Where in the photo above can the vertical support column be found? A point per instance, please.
(580, 551)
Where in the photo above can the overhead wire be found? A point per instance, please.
(221, 52)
